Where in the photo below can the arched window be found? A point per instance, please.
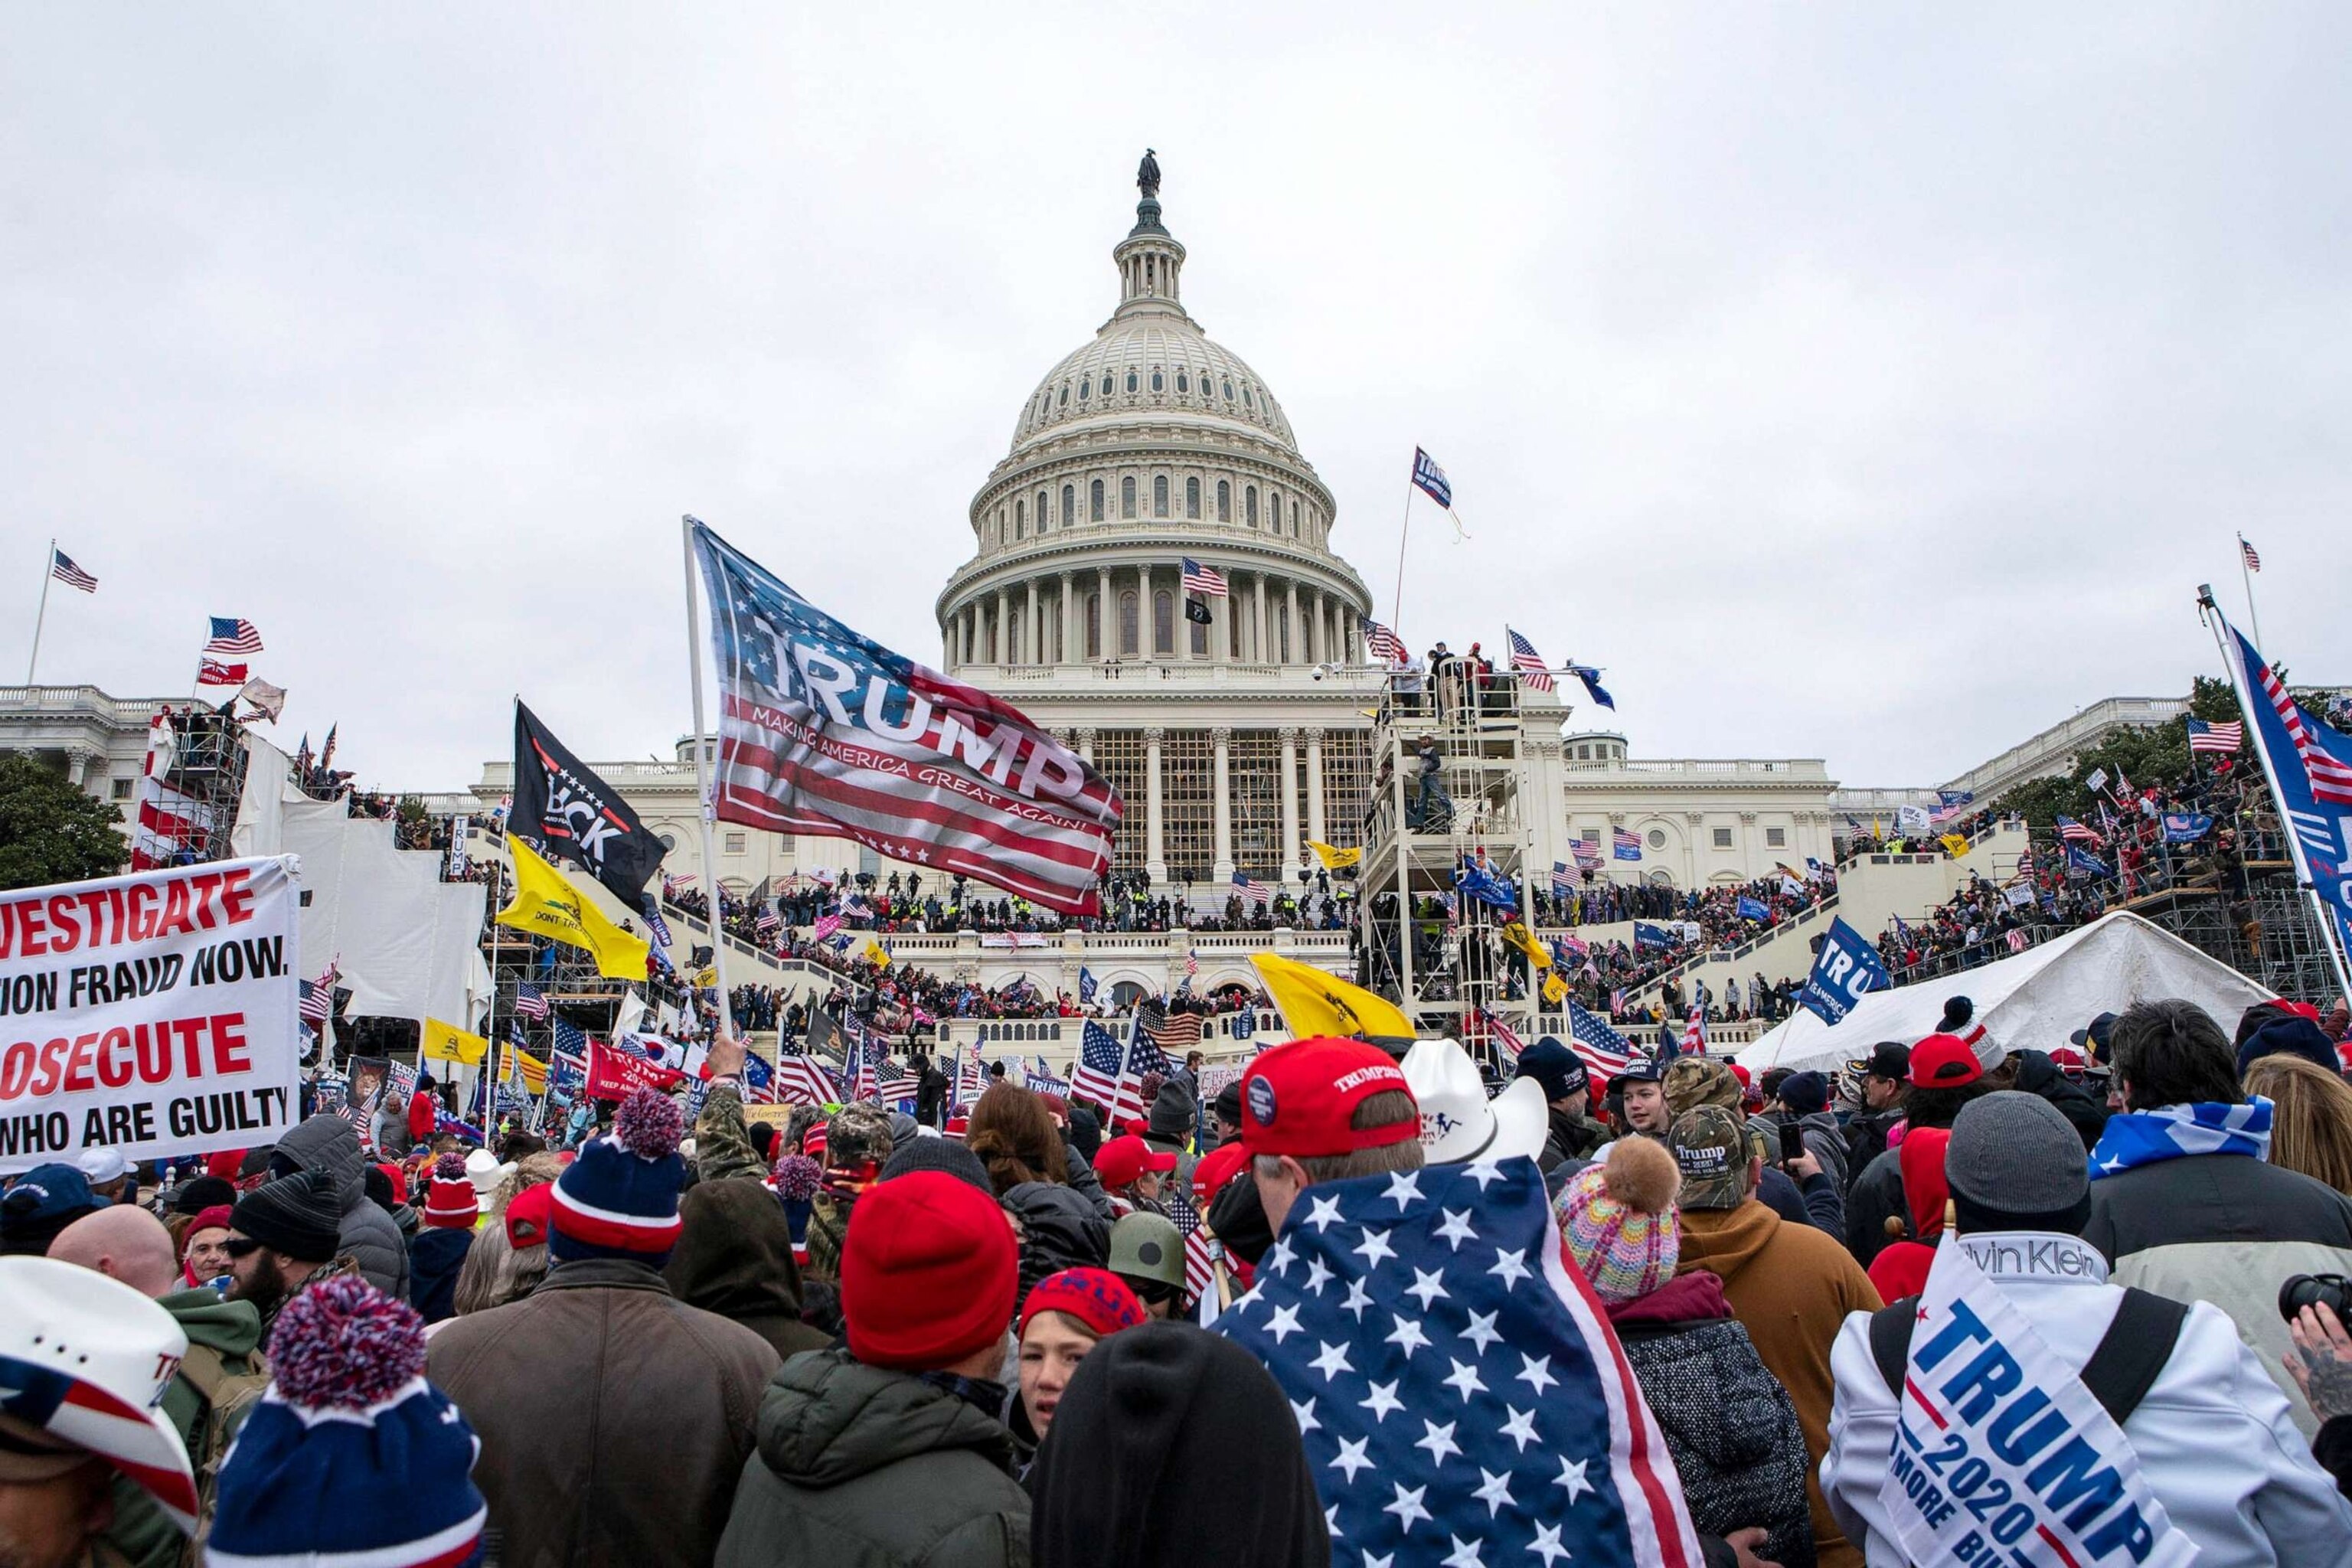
(1199, 635)
(1019, 520)
(1281, 632)
(1043, 511)
(1294, 519)
(1105, 383)
(1127, 496)
(1163, 622)
(1160, 495)
(1070, 506)
(1229, 392)
(1128, 631)
(1249, 505)
(1094, 626)
(1096, 491)
(1273, 510)
(1224, 501)
(1065, 394)
(1248, 401)
(1192, 499)
(1130, 381)
(1082, 390)
(1159, 382)
(1183, 381)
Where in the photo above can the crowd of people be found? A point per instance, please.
(852, 1335)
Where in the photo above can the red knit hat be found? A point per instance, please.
(1096, 1297)
(450, 1201)
(1299, 1099)
(929, 1273)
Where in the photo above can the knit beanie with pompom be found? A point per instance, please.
(1618, 1219)
(450, 1201)
(619, 1198)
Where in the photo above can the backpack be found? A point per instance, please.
(228, 1398)
(2130, 1356)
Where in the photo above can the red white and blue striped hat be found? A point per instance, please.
(350, 1457)
(619, 1198)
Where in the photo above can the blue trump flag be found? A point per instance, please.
(2083, 863)
(1087, 983)
(2186, 826)
(1845, 967)
(1485, 886)
(1431, 478)
(1648, 936)
(2312, 765)
(1750, 909)
(1592, 687)
(1458, 1393)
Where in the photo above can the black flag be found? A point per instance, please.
(569, 813)
(1197, 611)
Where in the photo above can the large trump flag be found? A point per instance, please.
(822, 730)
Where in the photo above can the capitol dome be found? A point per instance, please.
(1148, 445)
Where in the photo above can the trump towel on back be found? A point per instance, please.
(1461, 1397)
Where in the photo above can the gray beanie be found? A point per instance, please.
(2015, 1163)
(947, 1155)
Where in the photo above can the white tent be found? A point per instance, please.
(408, 943)
(2035, 1000)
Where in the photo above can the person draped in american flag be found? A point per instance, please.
(1460, 1397)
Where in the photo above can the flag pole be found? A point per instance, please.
(2239, 679)
(1396, 606)
(48, 570)
(702, 781)
(2246, 575)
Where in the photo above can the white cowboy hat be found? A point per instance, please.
(84, 1361)
(1458, 1122)
(483, 1169)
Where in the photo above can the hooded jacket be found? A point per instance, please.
(223, 1335)
(859, 1467)
(1105, 1490)
(2215, 1442)
(1059, 1229)
(1728, 1422)
(331, 1145)
(734, 1257)
(1793, 1286)
(2038, 1075)
(436, 1256)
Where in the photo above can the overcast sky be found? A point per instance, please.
(1874, 383)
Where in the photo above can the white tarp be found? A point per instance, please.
(2035, 1000)
(406, 943)
(261, 825)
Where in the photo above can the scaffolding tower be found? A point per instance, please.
(1423, 944)
(202, 778)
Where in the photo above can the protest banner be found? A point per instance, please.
(2000, 1454)
(616, 1075)
(153, 1014)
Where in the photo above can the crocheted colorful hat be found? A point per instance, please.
(619, 1199)
(1619, 1222)
(350, 1455)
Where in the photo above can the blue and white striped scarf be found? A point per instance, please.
(2136, 1138)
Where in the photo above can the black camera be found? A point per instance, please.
(2333, 1292)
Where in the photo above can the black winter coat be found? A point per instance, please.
(1060, 1228)
(2038, 1075)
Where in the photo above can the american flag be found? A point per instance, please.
(672, 886)
(2253, 562)
(1528, 662)
(212, 672)
(758, 1080)
(531, 1001)
(233, 636)
(1200, 1257)
(890, 754)
(1383, 644)
(1179, 1034)
(1257, 892)
(895, 1082)
(2204, 737)
(1604, 1052)
(766, 922)
(2329, 776)
(62, 567)
(1191, 965)
(1628, 843)
(1095, 1078)
(318, 998)
(1206, 580)
(1562, 881)
(2025, 862)
(800, 1080)
(1505, 1038)
(2074, 832)
(1587, 852)
(1694, 1032)
(1520, 1431)
(1143, 1056)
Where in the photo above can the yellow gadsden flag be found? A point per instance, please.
(1335, 858)
(546, 904)
(1518, 936)
(1314, 1003)
(448, 1043)
(876, 954)
(1955, 844)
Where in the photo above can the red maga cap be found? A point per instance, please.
(1122, 1161)
(1944, 1062)
(1299, 1099)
